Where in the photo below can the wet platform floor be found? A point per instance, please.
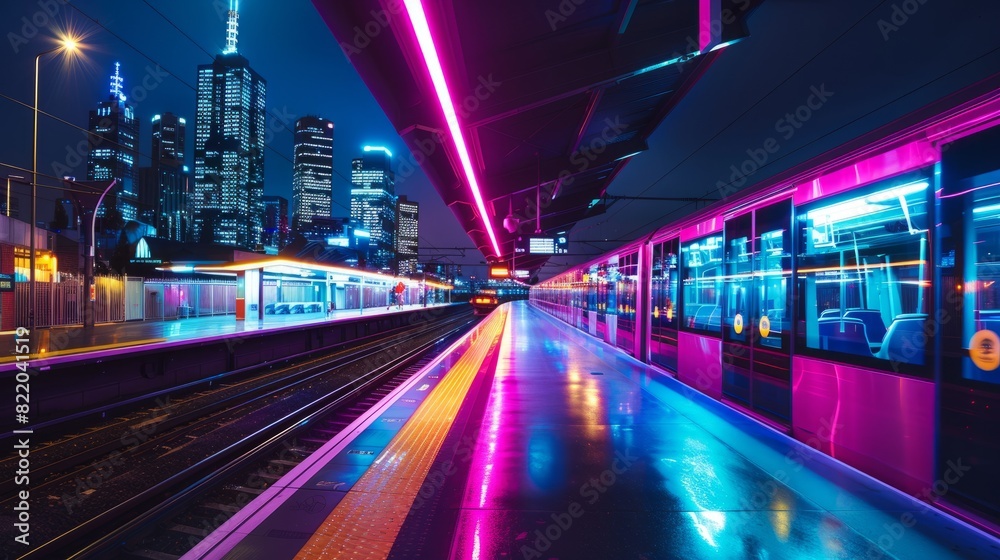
(584, 452)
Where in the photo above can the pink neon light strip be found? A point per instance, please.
(908, 157)
(704, 24)
(415, 11)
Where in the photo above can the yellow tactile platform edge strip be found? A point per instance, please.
(365, 523)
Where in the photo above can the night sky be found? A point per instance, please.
(880, 59)
(290, 47)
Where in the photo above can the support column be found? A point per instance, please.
(241, 289)
(251, 307)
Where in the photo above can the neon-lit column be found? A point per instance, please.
(709, 24)
(251, 294)
(241, 287)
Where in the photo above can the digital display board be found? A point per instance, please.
(543, 245)
(6, 282)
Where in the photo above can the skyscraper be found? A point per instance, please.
(229, 148)
(164, 186)
(373, 203)
(312, 171)
(407, 235)
(275, 221)
(114, 135)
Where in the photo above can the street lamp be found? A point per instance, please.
(88, 269)
(68, 45)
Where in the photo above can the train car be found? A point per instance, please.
(850, 302)
(484, 302)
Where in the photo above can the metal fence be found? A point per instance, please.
(173, 300)
(61, 303)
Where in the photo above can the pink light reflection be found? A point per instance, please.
(868, 170)
(418, 20)
(967, 191)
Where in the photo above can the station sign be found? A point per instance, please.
(6, 283)
(499, 271)
(542, 245)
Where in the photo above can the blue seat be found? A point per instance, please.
(905, 339)
(844, 335)
(874, 326)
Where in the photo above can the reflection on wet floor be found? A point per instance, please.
(585, 453)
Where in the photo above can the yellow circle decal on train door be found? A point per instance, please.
(765, 326)
(984, 349)
(738, 323)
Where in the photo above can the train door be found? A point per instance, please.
(628, 280)
(968, 456)
(664, 317)
(755, 338)
(590, 301)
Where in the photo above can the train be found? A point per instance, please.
(484, 302)
(851, 302)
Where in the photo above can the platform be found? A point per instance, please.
(54, 342)
(581, 452)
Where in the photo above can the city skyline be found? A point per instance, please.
(159, 80)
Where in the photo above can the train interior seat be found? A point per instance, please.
(844, 335)
(874, 325)
(905, 339)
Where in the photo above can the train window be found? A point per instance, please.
(863, 274)
(981, 337)
(702, 282)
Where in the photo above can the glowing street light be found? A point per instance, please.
(69, 45)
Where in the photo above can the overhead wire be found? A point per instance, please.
(748, 109)
(833, 131)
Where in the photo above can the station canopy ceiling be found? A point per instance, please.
(549, 100)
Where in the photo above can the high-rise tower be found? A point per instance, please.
(164, 185)
(312, 171)
(407, 235)
(229, 147)
(113, 140)
(373, 203)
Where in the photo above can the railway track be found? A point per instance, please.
(175, 449)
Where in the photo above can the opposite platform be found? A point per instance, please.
(53, 342)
